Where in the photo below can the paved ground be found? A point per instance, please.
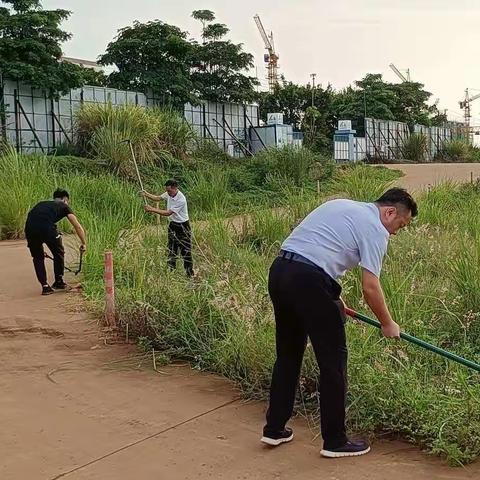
(420, 176)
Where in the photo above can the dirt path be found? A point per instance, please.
(420, 176)
(73, 407)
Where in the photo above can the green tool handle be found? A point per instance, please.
(417, 341)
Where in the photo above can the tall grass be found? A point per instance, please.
(22, 184)
(207, 189)
(299, 165)
(456, 150)
(107, 206)
(102, 131)
(175, 136)
(224, 323)
(363, 182)
(154, 134)
(414, 148)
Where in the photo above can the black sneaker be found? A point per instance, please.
(350, 449)
(277, 438)
(47, 290)
(59, 285)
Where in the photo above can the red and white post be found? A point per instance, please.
(110, 316)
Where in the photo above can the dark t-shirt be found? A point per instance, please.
(44, 215)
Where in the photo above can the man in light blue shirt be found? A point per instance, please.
(334, 238)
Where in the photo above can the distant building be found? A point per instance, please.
(83, 63)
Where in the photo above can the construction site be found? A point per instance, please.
(225, 258)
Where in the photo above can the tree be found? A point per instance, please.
(411, 103)
(30, 51)
(295, 102)
(203, 16)
(219, 64)
(152, 57)
(372, 97)
(93, 77)
(288, 98)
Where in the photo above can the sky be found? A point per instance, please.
(340, 41)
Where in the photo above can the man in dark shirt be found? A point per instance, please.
(41, 229)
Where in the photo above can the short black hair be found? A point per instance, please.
(398, 196)
(59, 193)
(171, 183)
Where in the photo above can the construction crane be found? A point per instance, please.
(399, 74)
(465, 105)
(271, 58)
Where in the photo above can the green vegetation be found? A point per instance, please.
(415, 148)
(30, 48)
(458, 150)
(222, 322)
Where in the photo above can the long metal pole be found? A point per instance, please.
(417, 341)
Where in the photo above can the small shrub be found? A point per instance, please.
(415, 148)
(456, 150)
(209, 152)
(300, 165)
(175, 136)
(362, 182)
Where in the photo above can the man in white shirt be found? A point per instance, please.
(334, 238)
(179, 231)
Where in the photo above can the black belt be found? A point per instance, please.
(332, 285)
(295, 257)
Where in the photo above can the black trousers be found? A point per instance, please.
(306, 305)
(53, 240)
(180, 242)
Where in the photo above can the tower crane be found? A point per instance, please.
(465, 105)
(271, 58)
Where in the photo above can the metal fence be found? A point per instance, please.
(384, 139)
(437, 136)
(35, 123)
(227, 124)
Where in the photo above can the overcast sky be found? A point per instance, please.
(342, 40)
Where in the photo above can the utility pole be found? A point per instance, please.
(364, 104)
(313, 75)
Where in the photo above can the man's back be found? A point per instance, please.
(339, 235)
(44, 215)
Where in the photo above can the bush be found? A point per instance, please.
(362, 182)
(415, 148)
(208, 151)
(456, 150)
(175, 136)
(299, 165)
(156, 135)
